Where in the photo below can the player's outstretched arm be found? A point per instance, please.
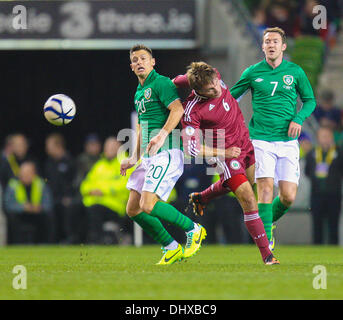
(175, 115)
(242, 85)
(194, 146)
(232, 152)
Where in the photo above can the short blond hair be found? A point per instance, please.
(200, 74)
(277, 30)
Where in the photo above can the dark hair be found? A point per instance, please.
(138, 47)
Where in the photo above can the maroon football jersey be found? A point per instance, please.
(219, 121)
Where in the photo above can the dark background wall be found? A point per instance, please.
(100, 82)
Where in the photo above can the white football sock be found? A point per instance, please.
(172, 246)
(195, 229)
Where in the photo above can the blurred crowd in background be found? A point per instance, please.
(65, 199)
(322, 158)
(295, 17)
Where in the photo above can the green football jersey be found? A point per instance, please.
(151, 102)
(274, 98)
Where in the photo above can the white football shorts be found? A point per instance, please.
(278, 160)
(158, 174)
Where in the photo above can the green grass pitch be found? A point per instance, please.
(215, 273)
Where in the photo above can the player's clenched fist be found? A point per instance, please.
(232, 152)
(126, 164)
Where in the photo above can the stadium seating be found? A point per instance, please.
(308, 52)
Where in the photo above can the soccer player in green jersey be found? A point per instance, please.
(275, 125)
(159, 112)
(274, 128)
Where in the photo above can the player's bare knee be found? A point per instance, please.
(132, 206)
(132, 211)
(265, 194)
(248, 202)
(146, 206)
(287, 199)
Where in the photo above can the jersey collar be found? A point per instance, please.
(270, 67)
(152, 75)
(199, 96)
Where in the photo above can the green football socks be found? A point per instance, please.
(279, 209)
(266, 215)
(154, 228)
(168, 213)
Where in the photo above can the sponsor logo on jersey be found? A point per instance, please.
(211, 107)
(259, 80)
(147, 93)
(190, 130)
(234, 164)
(288, 80)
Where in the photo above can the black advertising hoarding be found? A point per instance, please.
(97, 24)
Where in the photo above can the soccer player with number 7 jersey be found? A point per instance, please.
(275, 126)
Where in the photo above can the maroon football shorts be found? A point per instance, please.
(233, 166)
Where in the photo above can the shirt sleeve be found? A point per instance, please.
(167, 91)
(305, 91)
(191, 134)
(181, 81)
(242, 86)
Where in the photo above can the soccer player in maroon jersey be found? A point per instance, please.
(210, 106)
